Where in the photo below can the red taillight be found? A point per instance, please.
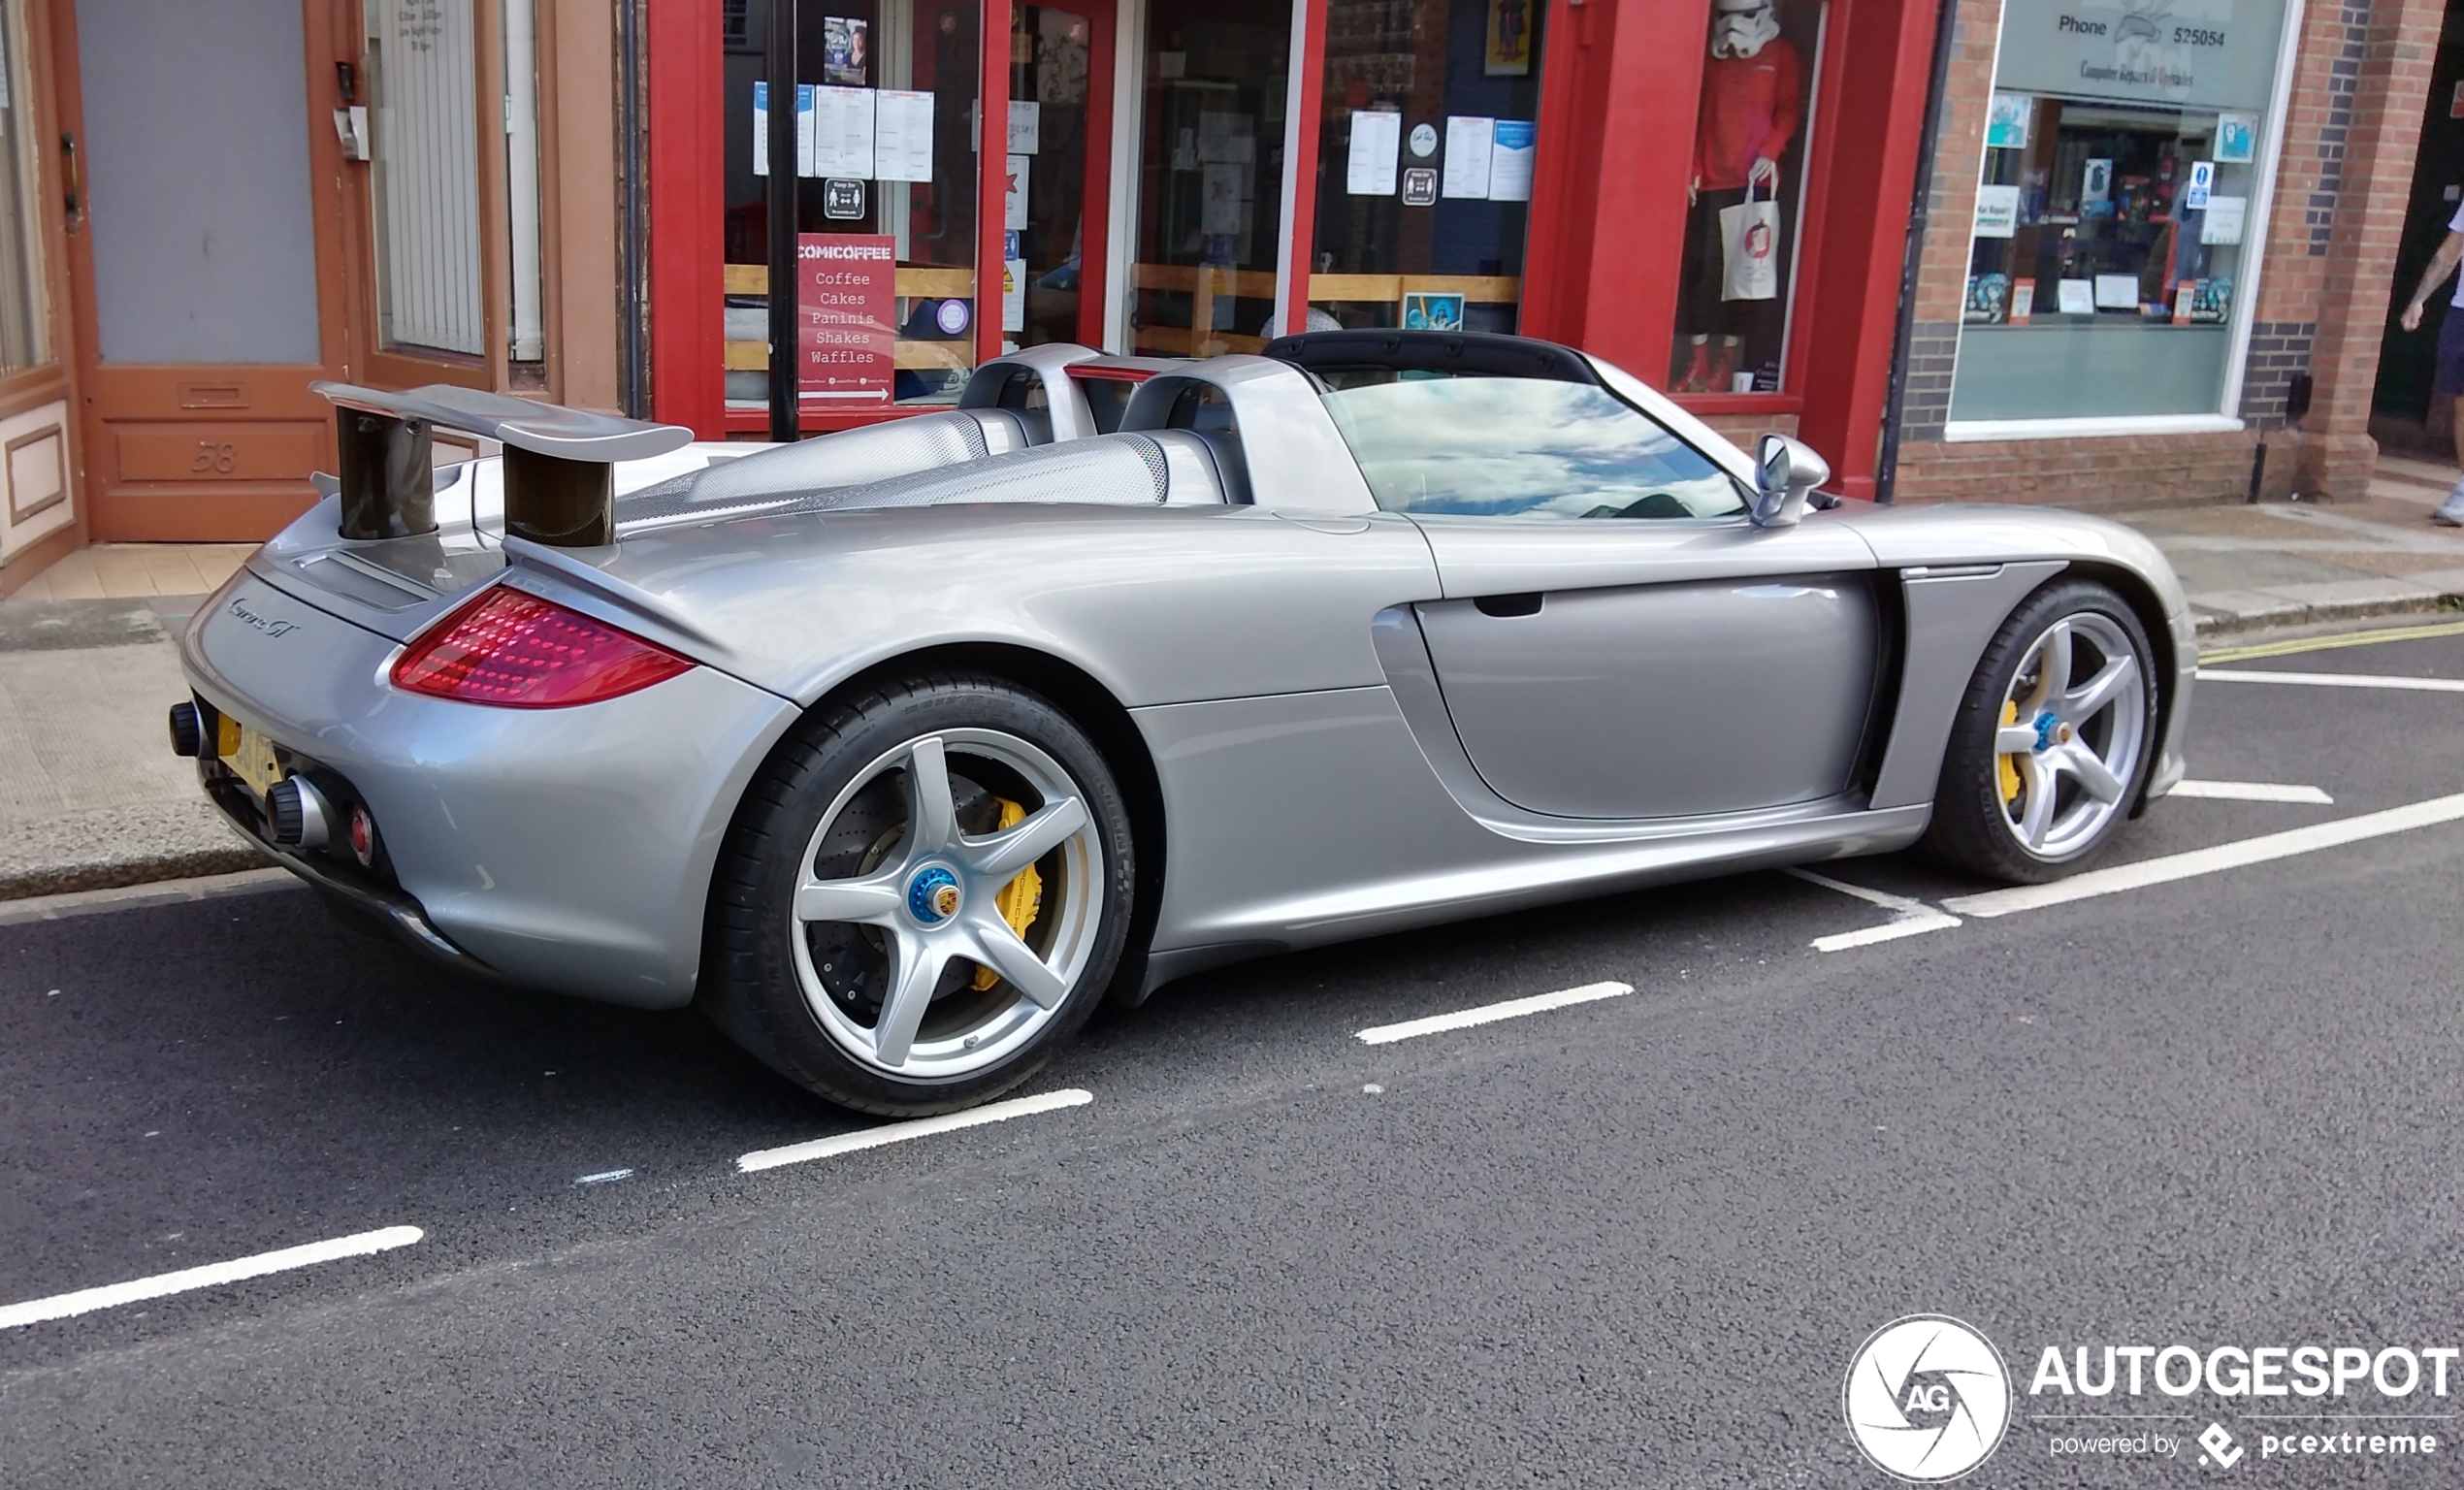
(516, 651)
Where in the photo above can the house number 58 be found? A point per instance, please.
(221, 458)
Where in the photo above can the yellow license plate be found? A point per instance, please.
(248, 754)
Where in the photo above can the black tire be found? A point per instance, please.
(751, 982)
(1973, 827)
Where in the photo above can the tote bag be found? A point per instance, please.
(1749, 246)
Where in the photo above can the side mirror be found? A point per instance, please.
(1785, 470)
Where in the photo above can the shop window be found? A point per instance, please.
(887, 166)
(431, 194)
(1211, 168)
(1427, 137)
(1745, 196)
(2122, 163)
(24, 308)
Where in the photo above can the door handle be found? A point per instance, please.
(1525, 603)
(73, 200)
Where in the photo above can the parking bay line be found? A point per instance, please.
(921, 1128)
(215, 1275)
(2334, 680)
(1490, 1014)
(2251, 792)
(2198, 861)
(1909, 916)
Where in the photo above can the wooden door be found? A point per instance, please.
(203, 180)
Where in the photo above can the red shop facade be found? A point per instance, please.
(1713, 194)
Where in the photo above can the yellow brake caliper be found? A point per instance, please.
(2003, 767)
(1018, 900)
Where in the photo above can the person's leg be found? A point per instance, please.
(2448, 382)
(1698, 297)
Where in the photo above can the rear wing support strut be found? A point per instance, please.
(559, 463)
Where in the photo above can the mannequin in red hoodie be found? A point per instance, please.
(1751, 109)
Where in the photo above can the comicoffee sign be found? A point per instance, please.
(2182, 54)
(1928, 1397)
(848, 285)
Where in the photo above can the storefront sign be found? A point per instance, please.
(2194, 54)
(847, 286)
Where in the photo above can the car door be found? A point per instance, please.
(1617, 638)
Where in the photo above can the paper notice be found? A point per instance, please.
(1469, 142)
(1026, 126)
(1220, 202)
(2223, 220)
(902, 136)
(2076, 297)
(1513, 148)
(804, 129)
(761, 129)
(842, 133)
(2117, 292)
(1997, 211)
(1013, 294)
(1377, 140)
(1230, 137)
(1014, 199)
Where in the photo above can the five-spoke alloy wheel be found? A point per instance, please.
(2054, 737)
(926, 890)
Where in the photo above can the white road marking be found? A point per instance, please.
(2251, 792)
(921, 1128)
(2334, 680)
(2224, 856)
(1910, 917)
(605, 1176)
(1490, 1014)
(85, 1301)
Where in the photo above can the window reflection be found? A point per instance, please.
(1520, 447)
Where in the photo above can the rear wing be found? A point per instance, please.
(558, 462)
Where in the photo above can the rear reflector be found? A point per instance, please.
(516, 651)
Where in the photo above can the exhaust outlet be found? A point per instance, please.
(303, 819)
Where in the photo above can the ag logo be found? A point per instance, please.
(1926, 1398)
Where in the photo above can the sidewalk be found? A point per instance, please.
(94, 797)
(87, 666)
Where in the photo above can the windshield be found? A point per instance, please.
(1522, 447)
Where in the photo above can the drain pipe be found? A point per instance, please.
(1886, 475)
(633, 372)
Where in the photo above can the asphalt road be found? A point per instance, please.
(1634, 1241)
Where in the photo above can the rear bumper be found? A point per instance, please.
(568, 849)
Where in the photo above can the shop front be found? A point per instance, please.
(1712, 193)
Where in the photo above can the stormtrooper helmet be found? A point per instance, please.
(1739, 28)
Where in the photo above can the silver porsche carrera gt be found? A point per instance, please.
(897, 750)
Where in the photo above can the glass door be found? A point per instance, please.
(1059, 198)
(1211, 172)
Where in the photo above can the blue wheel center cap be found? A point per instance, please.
(932, 895)
(2049, 730)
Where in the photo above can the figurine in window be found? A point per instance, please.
(1752, 105)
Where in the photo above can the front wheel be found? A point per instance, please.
(923, 895)
(2052, 740)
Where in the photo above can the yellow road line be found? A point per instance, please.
(2333, 644)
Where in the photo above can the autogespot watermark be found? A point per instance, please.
(1928, 1398)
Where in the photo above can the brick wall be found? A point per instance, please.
(2360, 82)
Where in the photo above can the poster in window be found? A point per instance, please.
(846, 51)
(1431, 311)
(2006, 120)
(2236, 139)
(1510, 38)
(848, 285)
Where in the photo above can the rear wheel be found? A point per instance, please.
(924, 893)
(2052, 740)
